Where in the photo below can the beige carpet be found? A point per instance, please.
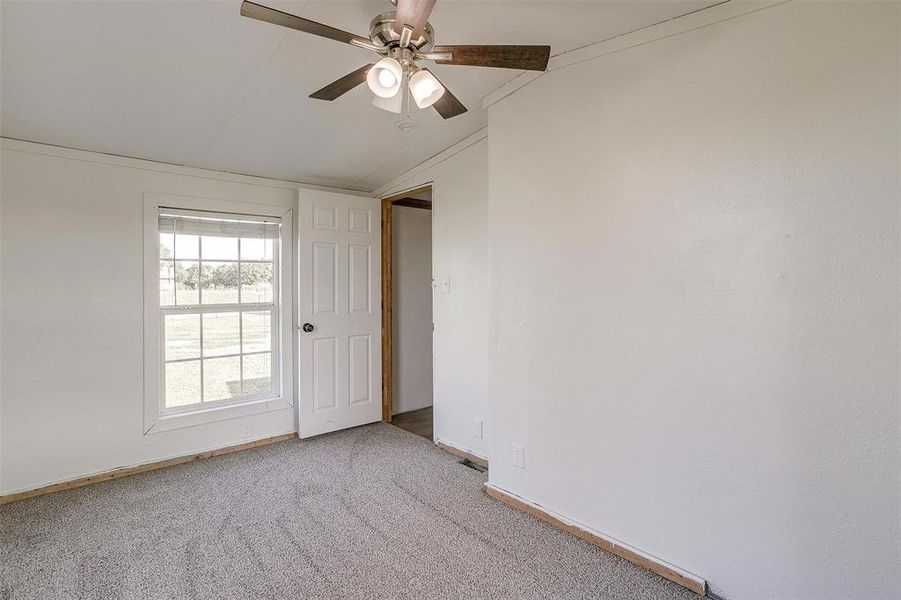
(373, 512)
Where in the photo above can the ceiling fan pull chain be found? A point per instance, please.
(406, 122)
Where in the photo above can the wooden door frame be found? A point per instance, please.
(401, 199)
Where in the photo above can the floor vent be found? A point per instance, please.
(468, 463)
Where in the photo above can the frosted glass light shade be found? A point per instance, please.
(394, 104)
(425, 89)
(385, 77)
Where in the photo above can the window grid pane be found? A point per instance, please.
(183, 383)
(256, 282)
(186, 247)
(214, 280)
(187, 282)
(182, 337)
(221, 334)
(257, 332)
(214, 247)
(222, 378)
(259, 249)
(167, 282)
(242, 287)
(256, 373)
(246, 362)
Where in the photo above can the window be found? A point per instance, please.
(218, 281)
(218, 314)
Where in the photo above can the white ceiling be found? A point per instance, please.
(194, 83)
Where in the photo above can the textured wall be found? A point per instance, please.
(73, 293)
(460, 254)
(695, 298)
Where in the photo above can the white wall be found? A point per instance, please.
(695, 298)
(72, 319)
(411, 278)
(460, 253)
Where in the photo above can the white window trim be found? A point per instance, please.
(157, 420)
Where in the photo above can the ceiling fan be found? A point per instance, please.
(402, 37)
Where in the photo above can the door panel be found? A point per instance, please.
(340, 295)
(325, 278)
(325, 373)
(360, 278)
(360, 365)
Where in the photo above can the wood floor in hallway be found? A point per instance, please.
(416, 421)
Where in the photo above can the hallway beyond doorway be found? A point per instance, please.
(416, 421)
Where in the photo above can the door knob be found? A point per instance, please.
(308, 327)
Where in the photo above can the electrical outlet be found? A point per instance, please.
(442, 284)
(477, 429)
(519, 456)
(246, 430)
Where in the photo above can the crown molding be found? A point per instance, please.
(17, 145)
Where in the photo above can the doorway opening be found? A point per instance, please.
(407, 311)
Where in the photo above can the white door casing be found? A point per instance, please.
(340, 295)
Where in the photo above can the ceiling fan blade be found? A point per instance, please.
(447, 105)
(342, 86)
(413, 13)
(530, 58)
(277, 17)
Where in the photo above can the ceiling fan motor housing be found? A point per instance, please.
(381, 32)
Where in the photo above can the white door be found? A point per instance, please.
(340, 296)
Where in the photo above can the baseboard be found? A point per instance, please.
(676, 575)
(460, 453)
(143, 468)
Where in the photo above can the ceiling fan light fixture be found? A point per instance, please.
(401, 37)
(425, 88)
(385, 77)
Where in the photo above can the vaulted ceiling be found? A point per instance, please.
(194, 83)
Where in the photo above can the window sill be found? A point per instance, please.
(213, 414)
